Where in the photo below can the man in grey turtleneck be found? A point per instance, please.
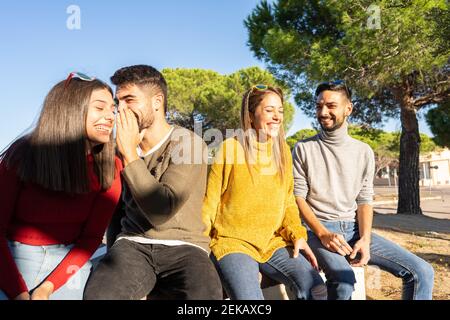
(333, 185)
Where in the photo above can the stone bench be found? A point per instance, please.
(273, 290)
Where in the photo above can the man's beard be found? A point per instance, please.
(337, 124)
(146, 121)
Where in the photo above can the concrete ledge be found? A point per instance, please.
(276, 291)
(272, 290)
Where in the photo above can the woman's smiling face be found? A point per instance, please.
(268, 116)
(100, 117)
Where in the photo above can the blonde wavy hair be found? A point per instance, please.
(251, 100)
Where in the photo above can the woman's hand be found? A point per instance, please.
(43, 292)
(301, 244)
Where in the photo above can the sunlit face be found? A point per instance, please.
(137, 99)
(332, 109)
(268, 116)
(100, 117)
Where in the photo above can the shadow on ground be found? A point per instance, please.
(440, 259)
(420, 224)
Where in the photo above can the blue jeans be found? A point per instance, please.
(35, 263)
(417, 274)
(240, 274)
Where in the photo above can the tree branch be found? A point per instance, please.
(436, 97)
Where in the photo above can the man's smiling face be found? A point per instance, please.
(332, 109)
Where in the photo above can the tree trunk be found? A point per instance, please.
(408, 183)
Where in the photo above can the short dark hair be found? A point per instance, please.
(141, 75)
(337, 85)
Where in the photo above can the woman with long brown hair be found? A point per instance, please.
(59, 186)
(250, 210)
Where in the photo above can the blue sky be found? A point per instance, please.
(38, 50)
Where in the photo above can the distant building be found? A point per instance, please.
(435, 168)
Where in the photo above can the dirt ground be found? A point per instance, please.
(433, 247)
(427, 236)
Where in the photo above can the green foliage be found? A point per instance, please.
(305, 42)
(439, 121)
(394, 54)
(383, 143)
(215, 99)
(300, 135)
(427, 144)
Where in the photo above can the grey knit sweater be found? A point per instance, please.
(334, 173)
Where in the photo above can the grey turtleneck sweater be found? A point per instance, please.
(334, 173)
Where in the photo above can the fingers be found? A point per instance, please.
(365, 256)
(353, 255)
(356, 263)
(133, 119)
(121, 118)
(301, 244)
(337, 248)
(359, 263)
(298, 245)
(338, 244)
(127, 119)
(343, 244)
(311, 257)
(355, 250)
(331, 246)
(121, 106)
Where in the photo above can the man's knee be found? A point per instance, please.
(113, 279)
(94, 291)
(335, 266)
(201, 278)
(423, 271)
(208, 287)
(344, 275)
(340, 282)
(339, 290)
(204, 282)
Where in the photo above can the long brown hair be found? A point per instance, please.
(54, 154)
(251, 100)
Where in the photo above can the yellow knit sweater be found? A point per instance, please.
(255, 217)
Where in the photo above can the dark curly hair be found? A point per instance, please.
(141, 75)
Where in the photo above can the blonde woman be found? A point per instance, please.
(250, 210)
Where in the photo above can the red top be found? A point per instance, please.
(35, 216)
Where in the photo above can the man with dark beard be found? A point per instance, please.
(161, 241)
(333, 185)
